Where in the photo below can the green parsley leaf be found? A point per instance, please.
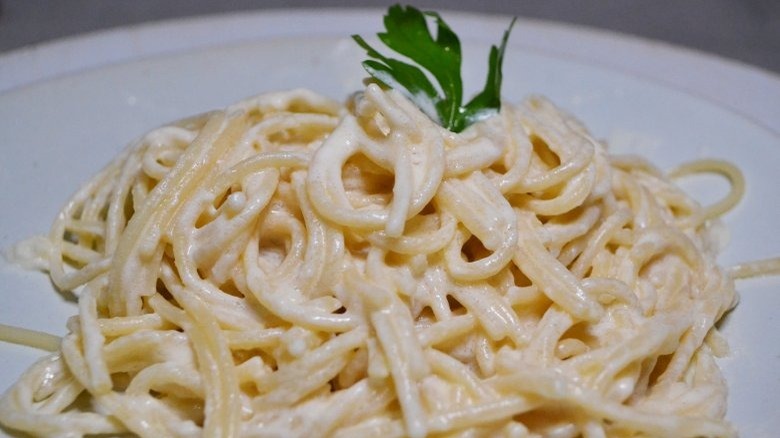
(407, 33)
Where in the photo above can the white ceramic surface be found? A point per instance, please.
(68, 107)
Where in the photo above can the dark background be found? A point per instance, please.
(742, 30)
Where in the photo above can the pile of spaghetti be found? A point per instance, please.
(291, 266)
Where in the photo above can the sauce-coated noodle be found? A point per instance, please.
(293, 267)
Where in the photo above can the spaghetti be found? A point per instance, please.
(294, 267)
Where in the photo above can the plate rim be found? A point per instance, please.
(744, 89)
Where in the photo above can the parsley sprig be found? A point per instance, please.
(407, 33)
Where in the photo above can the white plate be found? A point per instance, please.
(66, 108)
